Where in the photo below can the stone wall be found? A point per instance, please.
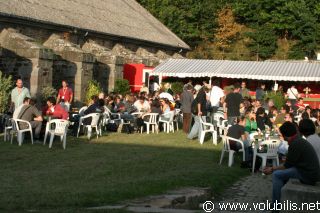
(46, 56)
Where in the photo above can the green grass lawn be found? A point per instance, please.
(107, 170)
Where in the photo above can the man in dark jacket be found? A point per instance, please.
(201, 106)
(186, 100)
(301, 162)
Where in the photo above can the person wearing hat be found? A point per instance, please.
(301, 162)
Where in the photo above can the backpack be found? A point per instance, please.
(127, 128)
(112, 127)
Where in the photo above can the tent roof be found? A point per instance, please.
(268, 70)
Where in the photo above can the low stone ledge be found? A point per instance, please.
(297, 192)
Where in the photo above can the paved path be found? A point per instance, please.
(255, 188)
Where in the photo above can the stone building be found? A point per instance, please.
(47, 41)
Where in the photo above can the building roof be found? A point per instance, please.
(268, 70)
(124, 18)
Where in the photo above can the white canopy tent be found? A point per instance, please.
(267, 70)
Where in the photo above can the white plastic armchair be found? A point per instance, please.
(207, 128)
(82, 109)
(95, 118)
(226, 148)
(58, 127)
(20, 132)
(167, 120)
(8, 131)
(152, 121)
(222, 123)
(271, 153)
(177, 117)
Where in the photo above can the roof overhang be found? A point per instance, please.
(268, 70)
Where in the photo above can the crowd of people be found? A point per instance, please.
(296, 122)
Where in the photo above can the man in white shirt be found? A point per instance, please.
(292, 94)
(216, 94)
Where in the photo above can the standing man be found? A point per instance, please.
(216, 96)
(186, 100)
(201, 106)
(244, 91)
(19, 93)
(231, 106)
(65, 96)
(260, 92)
(293, 94)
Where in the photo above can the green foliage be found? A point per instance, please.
(277, 97)
(177, 87)
(6, 84)
(190, 20)
(195, 22)
(294, 20)
(93, 88)
(122, 86)
(46, 92)
(263, 42)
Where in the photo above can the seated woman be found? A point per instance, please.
(155, 108)
(117, 105)
(128, 108)
(307, 113)
(237, 131)
(262, 119)
(165, 108)
(251, 123)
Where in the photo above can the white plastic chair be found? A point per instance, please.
(60, 129)
(167, 120)
(82, 109)
(226, 148)
(151, 122)
(272, 153)
(221, 123)
(8, 129)
(95, 117)
(20, 132)
(105, 119)
(207, 128)
(177, 117)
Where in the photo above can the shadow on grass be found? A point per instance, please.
(106, 171)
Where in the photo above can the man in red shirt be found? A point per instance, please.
(65, 96)
(56, 110)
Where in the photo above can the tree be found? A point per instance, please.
(191, 20)
(228, 28)
(263, 42)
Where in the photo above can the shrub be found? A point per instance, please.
(46, 92)
(277, 97)
(122, 86)
(93, 88)
(6, 85)
(177, 87)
